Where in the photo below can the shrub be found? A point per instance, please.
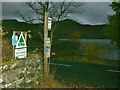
(7, 50)
(93, 52)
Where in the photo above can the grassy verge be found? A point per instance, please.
(77, 52)
(50, 82)
(84, 59)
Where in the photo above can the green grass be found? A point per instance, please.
(84, 59)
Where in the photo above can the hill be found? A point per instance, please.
(72, 29)
(65, 29)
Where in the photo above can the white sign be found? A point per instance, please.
(21, 42)
(47, 52)
(21, 52)
(14, 39)
(49, 23)
(48, 43)
(21, 48)
(48, 46)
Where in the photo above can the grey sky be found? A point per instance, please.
(92, 12)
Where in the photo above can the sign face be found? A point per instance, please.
(48, 46)
(21, 53)
(49, 23)
(21, 42)
(21, 48)
(48, 43)
(47, 52)
(14, 39)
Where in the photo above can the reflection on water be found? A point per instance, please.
(112, 50)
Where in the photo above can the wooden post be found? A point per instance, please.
(13, 46)
(1, 45)
(45, 36)
(25, 36)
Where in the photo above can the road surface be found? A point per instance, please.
(85, 74)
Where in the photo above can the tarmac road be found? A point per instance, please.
(85, 74)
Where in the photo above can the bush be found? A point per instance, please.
(7, 50)
(66, 48)
(93, 52)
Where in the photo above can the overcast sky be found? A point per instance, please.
(93, 13)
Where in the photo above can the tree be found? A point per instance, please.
(113, 28)
(57, 11)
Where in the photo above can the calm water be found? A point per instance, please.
(112, 50)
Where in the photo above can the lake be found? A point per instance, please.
(112, 50)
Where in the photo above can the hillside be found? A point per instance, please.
(72, 29)
(14, 25)
(65, 29)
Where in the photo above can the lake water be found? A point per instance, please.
(112, 50)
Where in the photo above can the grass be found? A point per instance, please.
(84, 59)
(50, 82)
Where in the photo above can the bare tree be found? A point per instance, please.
(57, 11)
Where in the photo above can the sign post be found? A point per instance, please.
(13, 44)
(1, 31)
(45, 36)
(47, 44)
(49, 23)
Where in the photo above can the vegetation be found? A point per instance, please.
(26, 73)
(51, 82)
(113, 27)
(67, 28)
(93, 52)
(64, 50)
(7, 50)
(75, 51)
(56, 11)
